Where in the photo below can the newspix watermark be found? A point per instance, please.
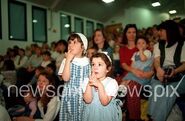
(147, 91)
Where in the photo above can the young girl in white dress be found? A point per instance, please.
(100, 91)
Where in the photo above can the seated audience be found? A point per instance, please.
(48, 103)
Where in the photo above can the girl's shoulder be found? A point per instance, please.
(81, 61)
(109, 81)
(111, 86)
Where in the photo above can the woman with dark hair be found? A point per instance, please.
(126, 53)
(48, 103)
(169, 53)
(100, 42)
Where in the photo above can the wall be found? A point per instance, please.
(140, 16)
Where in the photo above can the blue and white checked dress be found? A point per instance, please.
(95, 111)
(72, 104)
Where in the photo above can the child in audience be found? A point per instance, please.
(29, 109)
(48, 101)
(73, 70)
(91, 51)
(100, 91)
(141, 60)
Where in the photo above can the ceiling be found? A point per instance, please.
(96, 9)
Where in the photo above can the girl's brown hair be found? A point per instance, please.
(76, 36)
(106, 59)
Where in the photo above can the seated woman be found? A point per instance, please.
(126, 52)
(142, 59)
(48, 103)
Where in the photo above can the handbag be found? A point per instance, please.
(177, 77)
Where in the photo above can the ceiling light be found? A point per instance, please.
(11, 36)
(63, 15)
(66, 25)
(172, 11)
(155, 4)
(35, 21)
(108, 1)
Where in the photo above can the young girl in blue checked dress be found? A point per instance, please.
(100, 91)
(73, 70)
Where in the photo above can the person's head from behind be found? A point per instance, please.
(129, 33)
(77, 44)
(101, 65)
(91, 51)
(169, 32)
(142, 43)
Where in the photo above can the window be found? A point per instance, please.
(89, 28)
(99, 26)
(17, 21)
(65, 22)
(39, 24)
(78, 25)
